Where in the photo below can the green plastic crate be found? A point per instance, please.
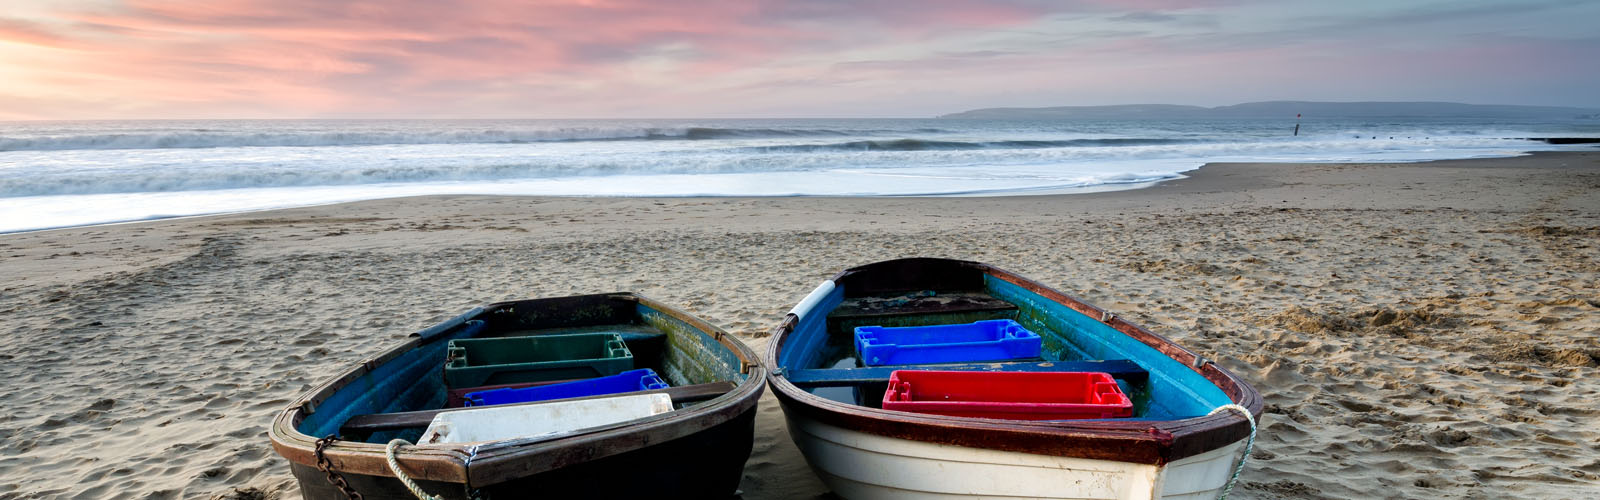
(512, 360)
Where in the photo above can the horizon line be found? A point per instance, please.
(736, 117)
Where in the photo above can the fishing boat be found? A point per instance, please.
(1191, 425)
(353, 433)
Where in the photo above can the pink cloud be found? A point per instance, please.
(586, 58)
(184, 52)
(20, 31)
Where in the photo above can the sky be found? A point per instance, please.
(123, 59)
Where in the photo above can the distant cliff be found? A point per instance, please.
(1278, 109)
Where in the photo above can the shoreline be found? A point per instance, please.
(999, 193)
(1101, 189)
(1417, 329)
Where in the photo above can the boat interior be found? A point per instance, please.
(820, 355)
(390, 397)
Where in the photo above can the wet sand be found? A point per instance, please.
(1418, 330)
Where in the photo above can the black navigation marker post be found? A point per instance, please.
(1297, 124)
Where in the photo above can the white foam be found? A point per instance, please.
(43, 212)
(260, 165)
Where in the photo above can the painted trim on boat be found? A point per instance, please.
(812, 299)
(429, 333)
(865, 466)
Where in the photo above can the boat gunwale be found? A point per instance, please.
(1137, 441)
(484, 464)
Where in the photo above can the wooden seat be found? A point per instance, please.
(917, 304)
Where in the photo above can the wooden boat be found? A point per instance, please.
(1174, 446)
(695, 451)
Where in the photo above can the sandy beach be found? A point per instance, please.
(1425, 330)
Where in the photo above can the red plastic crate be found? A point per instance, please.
(1007, 395)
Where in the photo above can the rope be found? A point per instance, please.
(394, 466)
(1248, 444)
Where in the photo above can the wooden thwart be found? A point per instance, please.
(363, 424)
(949, 303)
(834, 377)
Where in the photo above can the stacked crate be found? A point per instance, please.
(983, 394)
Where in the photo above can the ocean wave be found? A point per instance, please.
(938, 145)
(705, 133)
(206, 179)
(51, 173)
(197, 138)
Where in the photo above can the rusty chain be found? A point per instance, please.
(326, 466)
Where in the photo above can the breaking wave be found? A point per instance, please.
(936, 145)
(55, 174)
(187, 179)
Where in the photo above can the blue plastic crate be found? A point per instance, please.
(642, 379)
(989, 340)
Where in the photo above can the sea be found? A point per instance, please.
(65, 174)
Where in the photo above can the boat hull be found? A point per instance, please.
(865, 466)
(1176, 446)
(696, 451)
(706, 464)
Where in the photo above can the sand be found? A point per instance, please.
(1418, 330)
